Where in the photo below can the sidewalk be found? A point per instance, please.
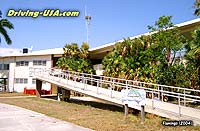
(13, 118)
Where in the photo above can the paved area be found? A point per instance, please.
(13, 118)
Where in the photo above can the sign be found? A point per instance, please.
(133, 97)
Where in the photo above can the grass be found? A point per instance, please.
(93, 115)
(12, 94)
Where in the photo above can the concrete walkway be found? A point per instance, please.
(13, 118)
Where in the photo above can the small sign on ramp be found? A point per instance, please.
(133, 97)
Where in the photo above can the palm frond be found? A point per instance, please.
(5, 35)
(197, 11)
(6, 23)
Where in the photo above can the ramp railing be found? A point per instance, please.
(155, 92)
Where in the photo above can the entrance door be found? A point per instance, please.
(3, 84)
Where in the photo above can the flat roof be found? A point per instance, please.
(53, 51)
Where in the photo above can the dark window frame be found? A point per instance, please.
(22, 63)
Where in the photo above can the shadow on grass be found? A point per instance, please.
(99, 105)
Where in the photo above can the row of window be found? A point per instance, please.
(25, 81)
(35, 63)
(4, 66)
(34, 81)
(21, 80)
(22, 63)
(39, 63)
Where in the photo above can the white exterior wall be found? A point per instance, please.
(6, 73)
(11, 78)
(23, 71)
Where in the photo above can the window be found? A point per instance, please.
(4, 66)
(39, 63)
(22, 63)
(21, 80)
(34, 81)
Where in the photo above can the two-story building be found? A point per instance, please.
(15, 69)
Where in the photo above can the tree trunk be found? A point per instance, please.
(168, 56)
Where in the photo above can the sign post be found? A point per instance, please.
(142, 114)
(126, 109)
(132, 97)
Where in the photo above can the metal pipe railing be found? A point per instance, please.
(113, 83)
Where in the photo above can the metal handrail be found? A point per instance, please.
(111, 83)
(115, 82)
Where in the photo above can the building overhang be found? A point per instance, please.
(186, 28)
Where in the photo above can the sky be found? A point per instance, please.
(112, 20)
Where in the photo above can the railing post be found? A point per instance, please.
(111, 89)
(126, 85)
(75, 81)
(67, 76)
(152, 99)
(85, 83)
(162, 93)
(59, 75)
(158, 93)
(97, 86)
(101, 82)
(83, 79)
(184, 98)
(91, 79)
(52, 78)
(179, 104)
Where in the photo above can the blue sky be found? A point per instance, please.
(112, 20)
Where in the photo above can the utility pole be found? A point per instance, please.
(88, 19)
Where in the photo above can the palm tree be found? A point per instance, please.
(4, 23)
(76, 59)
(84, 51)
(197, 6)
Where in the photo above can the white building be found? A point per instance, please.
(15, 67)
